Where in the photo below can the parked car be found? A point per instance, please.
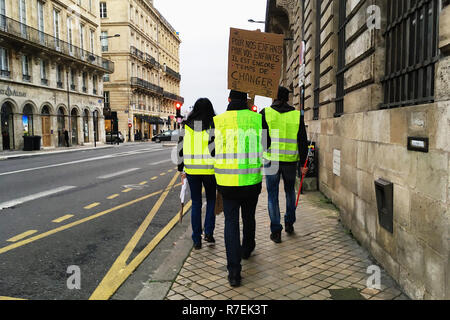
(114, 137)
(169, 135)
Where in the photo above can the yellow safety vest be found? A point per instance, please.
(238, 148)
(196, 156)
(283, 130)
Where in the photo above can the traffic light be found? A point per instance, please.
(255, 109)
(178, 107)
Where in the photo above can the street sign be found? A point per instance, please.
(254, 62)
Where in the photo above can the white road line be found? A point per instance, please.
(56, 165)
(115, 174)
(159, 162)
(32, 197)
(76, 162)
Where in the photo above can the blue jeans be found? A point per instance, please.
(288, 173)
(232, 233)
(195, 185)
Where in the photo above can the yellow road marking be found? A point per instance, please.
(113, 196)
(116, 275)
(67, 216)
(142, 183)
(21, 236)
(162, 174)
(127, 190)
(170, 171)
(154, 178)
(75, 223)
(10, 298)
(92, 205)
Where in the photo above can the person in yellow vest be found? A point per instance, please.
(286, 152)
(198, 165)
(238, 171)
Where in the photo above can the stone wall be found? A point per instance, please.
(373, 144)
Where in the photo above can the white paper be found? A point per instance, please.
(183, 190)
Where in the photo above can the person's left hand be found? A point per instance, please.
(304, 171)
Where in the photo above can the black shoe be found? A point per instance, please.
(246, 254)
(234, 279)
(276, 237)
(197, 246)
(289, 228)
(209, 238)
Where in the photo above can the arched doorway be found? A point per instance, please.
(27, 120)
(61, 121)
(86, 126)
(7, 126)
(46, 127)
(74, 126)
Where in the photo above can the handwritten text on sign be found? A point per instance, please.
(254, 62)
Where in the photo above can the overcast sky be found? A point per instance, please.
(204, 27)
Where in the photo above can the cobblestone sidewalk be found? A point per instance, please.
(321, 261)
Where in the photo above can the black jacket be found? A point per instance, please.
(302, 140)
(235, 193)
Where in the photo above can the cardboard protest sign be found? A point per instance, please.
(254, 62)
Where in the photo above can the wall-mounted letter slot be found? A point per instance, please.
(385, 202)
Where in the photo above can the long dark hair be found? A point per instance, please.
(203, 111)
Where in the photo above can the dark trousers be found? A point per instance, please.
(232, 234)
(195, 185)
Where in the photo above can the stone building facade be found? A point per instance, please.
(375, 87)
(145, 86)
(51, 72)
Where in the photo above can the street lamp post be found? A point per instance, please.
(253, 21)
(95, 114)
(112, 120)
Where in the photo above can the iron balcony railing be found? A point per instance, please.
(10, 27)
(146, 85)
(172, 73)
(145, 57)
(173, 97)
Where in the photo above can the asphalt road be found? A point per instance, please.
(92, 211)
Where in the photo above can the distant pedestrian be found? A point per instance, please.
(238, 173)
(198, 164)
(287, 148)
(66, 137)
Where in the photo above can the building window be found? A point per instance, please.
(106, 97)
(56, 28)
(44, 79)
(26, 68)
(4, 63)
(91, 40)
(23, 16)
(72, 79)
(27, 120)
(104, 40)
(411, 52)
(84, 76)
(59, 77)
(106, 75)
(94, 84)
(82, 38)
(103, 13)
(69, 34)
(40, 16)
